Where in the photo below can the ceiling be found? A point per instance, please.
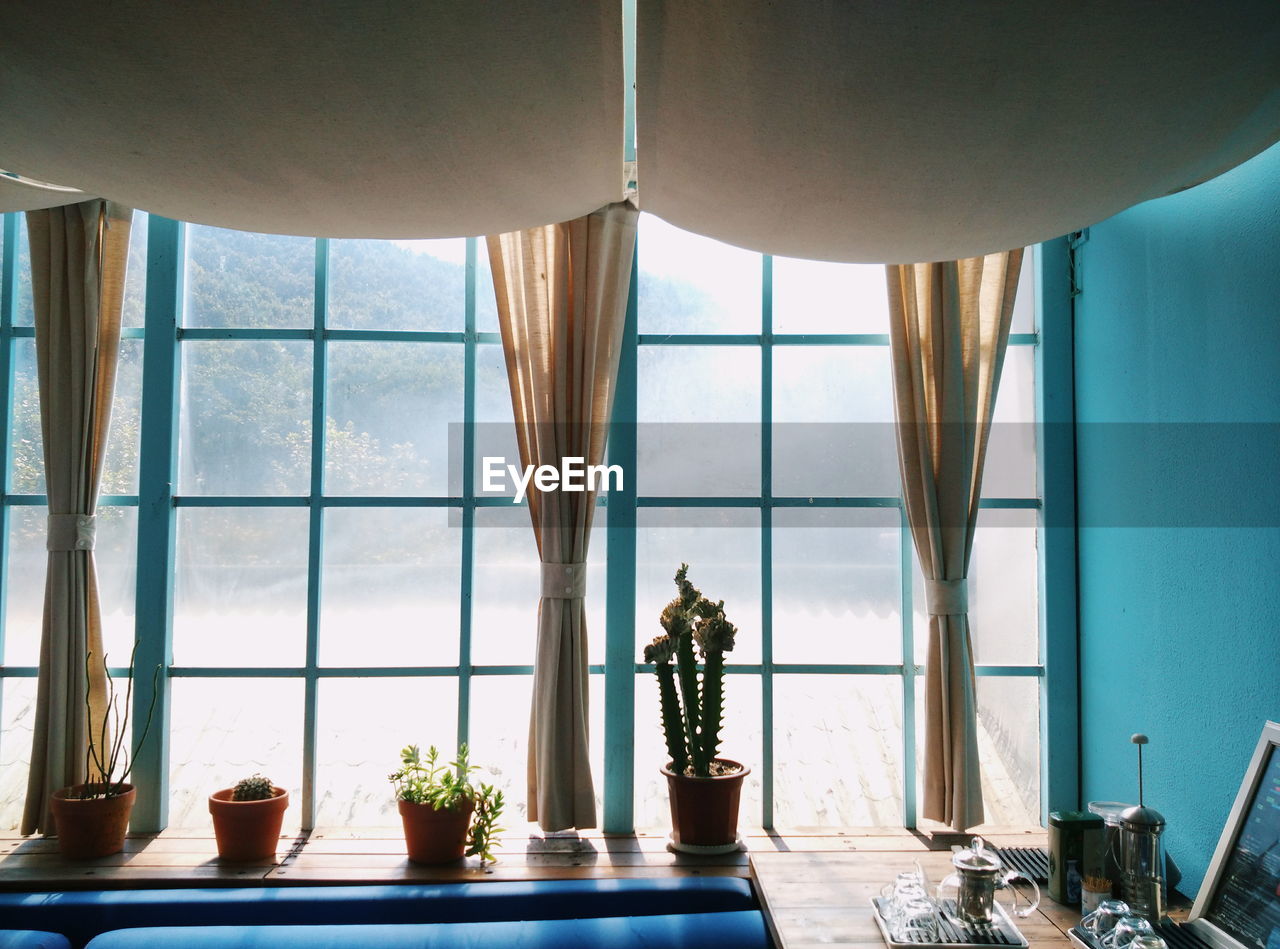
(827, 129)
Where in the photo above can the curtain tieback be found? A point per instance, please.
(72, 532)
(947, 597)
(564, 581)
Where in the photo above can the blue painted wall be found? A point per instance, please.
(1179, 544)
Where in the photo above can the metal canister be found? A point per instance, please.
(1074, 836)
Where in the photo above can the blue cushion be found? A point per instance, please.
(83, 915)
(29, 939)
(738, 930)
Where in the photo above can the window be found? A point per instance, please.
(327, 584)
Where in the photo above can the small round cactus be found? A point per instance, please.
(256, 788)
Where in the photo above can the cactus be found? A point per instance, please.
(255, 788)
(692, 715)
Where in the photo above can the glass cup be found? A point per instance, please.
(1126, 931)
(916, 921)
(1148, 942)
(1103, 919)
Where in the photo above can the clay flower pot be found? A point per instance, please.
(704, 811)
(247, 830)
(433, 836)
(94, 827)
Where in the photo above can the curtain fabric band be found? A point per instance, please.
(72, 532)
(947, 597)
(564, 581)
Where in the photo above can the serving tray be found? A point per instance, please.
(957, 935)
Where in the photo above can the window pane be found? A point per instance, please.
(700, 406)
(1003, 591)
(722, 548)
(693, 284)
(833, 430)
(390, 405)
(240, 590)
(813, 296)
(17, 718)
(239, 279)
(495, 430)
(1010, 467)
(838, 750)
(397, 285)
(223, 730)
(486, 298)
(1024, 304)
(363, 724)
(134, 311)
(740, 741)
(506, 583)
(500, 741)
(120, 468)
(24, 585)
(390, 588)
(116, 556)
(836, 589)
(24, 311)
(246, 418)
(26, 474)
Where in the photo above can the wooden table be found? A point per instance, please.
(824, 899)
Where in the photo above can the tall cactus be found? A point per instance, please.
(693, 716)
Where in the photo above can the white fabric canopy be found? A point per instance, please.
(354, 118)
(919, 131)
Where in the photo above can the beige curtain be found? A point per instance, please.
(78, 258)
(562, 299)
(949, 326)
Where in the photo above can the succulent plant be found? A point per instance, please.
(255, 788)
(692, 708)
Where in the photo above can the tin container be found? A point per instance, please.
(1074, 837)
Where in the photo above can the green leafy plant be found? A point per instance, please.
(254, 788)
(107, 752)
(448, 786)
(692, 703)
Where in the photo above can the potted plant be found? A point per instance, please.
(445, 816)
(704, 789)
(91, 819)
(247, 817)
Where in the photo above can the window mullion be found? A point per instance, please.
(766, 541)
(468, 493)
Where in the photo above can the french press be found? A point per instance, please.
(1140, 853)
(979, 873)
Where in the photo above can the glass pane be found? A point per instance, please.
(693, 284)
(222, 730)
(486, 299)
(838, 749)
(397, 285)
(245, 418)
(695, 401)
(134, 311)
(116, 556)
(495, 431)
(500, 741)
(740, 741)
(1010, 467)
(813, 296)
(1024, 304)
(240, 587)
(837, 596)
(722, 548)
(241, 279)
(17, 718)
(363, 724)
(120, 468)
(390, 406)
(24, 585)
(24, 311)
(26, 474)
(506, 583)
(391, 587)
(1004, 591)
(833, 422)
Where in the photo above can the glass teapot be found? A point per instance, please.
(978, 874)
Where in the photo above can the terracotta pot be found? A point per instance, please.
(704, 811)
(434, 836)
(247, 830)
(91, 828)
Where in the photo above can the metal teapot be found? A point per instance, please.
(979, 873)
